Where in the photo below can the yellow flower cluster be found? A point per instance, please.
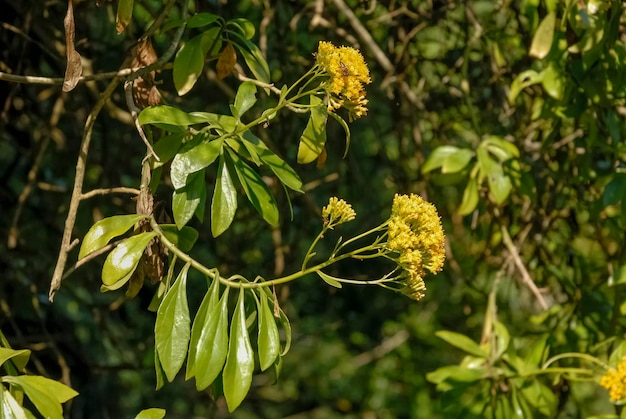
(337, 212)
(615, 381)
(348, 73)
(415, 234)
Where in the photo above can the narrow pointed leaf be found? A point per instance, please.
(187, 201)
(193, 160)
(18, 357)
(224, 203)
(257, 191)
(184, 238)
(212, 345)
(172, 327)
(239, 367)
(462, 342)
(153, 413)
(104, 230)
(42, 396)
(543, 38)
(314, 136)
(245, 98)
(332, 281)
(163, 114)
(124, 14)
(268, 339)
(123, 260)
(201, 19)
(470, 197)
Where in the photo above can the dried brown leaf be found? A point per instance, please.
(74, 68)
(226, 61)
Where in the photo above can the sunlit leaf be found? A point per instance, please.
(104, 230)
(470, 197)
(19, 358)
(329, 279)
(187, 201)
(172, 327)
(268, 340)
(153, 413)
(46, 394)
(163, 114)
(192, 160)
(314, 136)
(224, 203)
(245, 98)
(462, 342)
(184, 238)
(124, 14)
(438, 157)
(544, 35)
(237, 376)
(123, 260)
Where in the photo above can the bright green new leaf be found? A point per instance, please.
(456, 162)
(224, 203)
(212, 344)
(470, 197)
(256, 190)
(237, 376)
(245, 98)
(542, 41)
(46, 394)
(184, 238)
(189, 60)
(123, 260)
(455, 373)
(124, 14)
(201, 19)
(18, 357)
(268, 339)
(522, 81)
(329, 279)
(9, 407)
(172, 327)
(152, 413)
(104, 230)
(166, 148)
(189, 200)
(192, 160)
(314, 136)
(438, 157)
(499, 185)
(244, 26)
(169, 115)
(462, 342)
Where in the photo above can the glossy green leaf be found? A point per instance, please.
(153, 413)
(124, 14)
(268, 339)
(184, 238)
(19, 358)
(172, 327)
(104, 230)
(253, 57)
(332, 281)
(456, 373)
(221, 123)
(158, 369)
(46, 394)
(553, 82)
(244, 26)
(123, 260)
(470, 197)
(189, 60)
(499, 185)
(462, 342)
(456, 162)
(224, 203)
(201, 19)
(166, 148)
(257, 191)
(212, 343)
(237, 376)
(522, 81)
(544, 35)
(187, 201)
(192, 160)
(438, 157)
(9, 407)
(163, 114)
(245, 99)
(281, 169)
(196, 329)
(314, 136)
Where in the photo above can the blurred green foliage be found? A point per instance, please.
(509, 116)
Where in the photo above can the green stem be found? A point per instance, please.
(586, 357)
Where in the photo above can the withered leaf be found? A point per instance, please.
(226, 61)
(145, 92)
(74, 68)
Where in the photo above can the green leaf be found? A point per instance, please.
(196, 329)
(192, 160)
(172, 327)
(346, 129)
(221, 123)
(544, 35)
(332, 281)
(201, 19)
(166, 148)
(253, 57)
(124, 14)
(239, 367)
(268, 339)
(243, 25)
(499, 185)
(158, 369)
(152, 413)
(470, 197)
(184, 238)
(522, 81)
(455, 373)
(123, 260)
(314, 136)
(212, 344)
(438, 157)
(462, 342)
(256, 190)
(46, 394)
(163, 114)
(245, 99)
(537, 352)
(189, 60)
(18, 357)
(9, 407)
(104, 230)
(224, 203)
(189, 200)
(503, 338)
(281, 169)
(553, 82)
(456, 162)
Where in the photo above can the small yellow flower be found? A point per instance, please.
(416, 236)
(615, 381)
(337, 212)
(348, 74)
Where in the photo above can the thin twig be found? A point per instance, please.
(134, 113)
(106, 191)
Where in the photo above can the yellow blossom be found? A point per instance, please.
(337, 212)
(348, 74)
(615, 381)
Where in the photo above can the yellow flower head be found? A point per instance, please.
(348, 74)
(415, 234)
(337, 212)
(615, 381)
